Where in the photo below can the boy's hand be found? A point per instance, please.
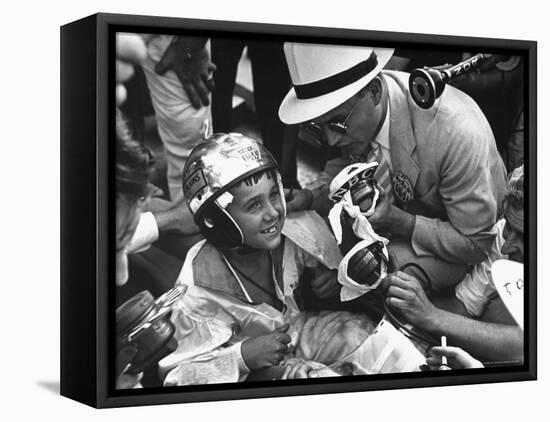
(266, 350)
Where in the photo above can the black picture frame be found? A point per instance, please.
(87, 214)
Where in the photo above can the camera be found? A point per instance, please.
(144, 331)
(358, 180)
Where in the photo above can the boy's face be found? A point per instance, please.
(513, 233)
(259, 211)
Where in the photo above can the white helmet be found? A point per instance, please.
(213, 167)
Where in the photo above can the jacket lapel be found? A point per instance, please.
(402, 138)
(210, 271)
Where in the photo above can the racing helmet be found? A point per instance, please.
(213, 167)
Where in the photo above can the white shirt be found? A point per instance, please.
(147, 232)
(477, 287)
(383, 138)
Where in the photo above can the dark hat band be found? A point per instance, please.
(335, 82)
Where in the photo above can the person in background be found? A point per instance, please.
(179, 75)
(179, 79)
(270, 84)
(476, 319)
(130, 51)
(134, 164)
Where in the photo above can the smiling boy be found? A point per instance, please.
(240, 317)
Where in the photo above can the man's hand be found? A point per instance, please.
(189, 59)
(266, 350)
(130, 51)
(173, 217)
(456, 358)
(325, 283)
(387, 218)
(406, 295)
(298, 199)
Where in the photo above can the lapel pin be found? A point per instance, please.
(402, 187)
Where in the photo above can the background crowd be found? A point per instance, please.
(174, 92)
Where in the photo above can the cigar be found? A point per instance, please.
(444, 364)
(443, 344)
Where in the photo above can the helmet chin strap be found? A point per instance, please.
(281, 192)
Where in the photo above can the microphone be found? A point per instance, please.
(427, 84)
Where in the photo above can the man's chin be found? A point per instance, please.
(355, 156)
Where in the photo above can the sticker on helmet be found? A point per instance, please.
(194, 184)
(248, 153)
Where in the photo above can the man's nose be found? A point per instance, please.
(332, 138)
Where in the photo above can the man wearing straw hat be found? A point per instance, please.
(440, 169)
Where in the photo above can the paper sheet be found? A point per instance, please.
(310, 232)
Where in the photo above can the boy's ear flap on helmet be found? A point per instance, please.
(217, 225)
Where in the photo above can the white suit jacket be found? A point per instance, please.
(449, 154)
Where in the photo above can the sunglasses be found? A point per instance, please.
(340, 128)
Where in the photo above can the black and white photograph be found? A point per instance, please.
(255, 211)
(298, 209)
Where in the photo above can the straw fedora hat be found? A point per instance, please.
(325, 76)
